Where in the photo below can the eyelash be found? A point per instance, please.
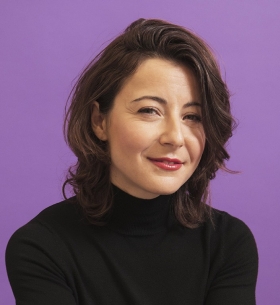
(150, 111)
(193, 117)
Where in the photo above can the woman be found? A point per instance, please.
(148, 121)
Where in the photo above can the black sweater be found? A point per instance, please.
(142, 257)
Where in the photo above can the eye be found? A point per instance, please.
(193, 117)
(148, 110)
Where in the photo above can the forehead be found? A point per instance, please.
(163, 78)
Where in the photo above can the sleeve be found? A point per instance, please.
(33, 261)
(235, 281)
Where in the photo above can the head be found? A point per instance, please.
(93, 131)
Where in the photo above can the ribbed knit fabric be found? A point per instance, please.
(140, 258)
(135, 216)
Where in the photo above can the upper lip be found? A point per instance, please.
(173, 160)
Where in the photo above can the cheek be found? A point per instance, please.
(196, 144)
(125, 140)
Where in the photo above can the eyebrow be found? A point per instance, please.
(163, 101)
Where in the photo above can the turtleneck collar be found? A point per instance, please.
(136, 216)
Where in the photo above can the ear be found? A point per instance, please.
(98, 122)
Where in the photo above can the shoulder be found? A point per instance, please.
(233, 258)
(38, 255)
(232, 242)
(61, 215)
(49, 227)
(48, 239)
(227, 226)
(224, 223)
(62, 212)
(230, 231)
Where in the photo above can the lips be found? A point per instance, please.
(169, 164)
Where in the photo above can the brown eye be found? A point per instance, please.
(193, 117)
(148, 110)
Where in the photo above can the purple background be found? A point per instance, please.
(45, 45)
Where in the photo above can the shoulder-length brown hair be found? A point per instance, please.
(103, 79)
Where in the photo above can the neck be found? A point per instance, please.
(136, 216)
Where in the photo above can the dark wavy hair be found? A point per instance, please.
(102, 80)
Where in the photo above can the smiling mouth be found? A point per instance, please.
(167, 163)
(167, 160)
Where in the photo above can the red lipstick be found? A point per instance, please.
(169, 164)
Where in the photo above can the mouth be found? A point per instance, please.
(167, 160)
(169, 164)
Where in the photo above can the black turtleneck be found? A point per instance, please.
(140, 258)
(136, 216)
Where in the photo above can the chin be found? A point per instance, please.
(166, 189)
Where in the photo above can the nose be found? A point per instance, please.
(172, 134)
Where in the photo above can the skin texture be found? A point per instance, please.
(155, 115)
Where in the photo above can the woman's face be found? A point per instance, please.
(154, 130)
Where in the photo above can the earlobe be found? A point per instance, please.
(98, 122)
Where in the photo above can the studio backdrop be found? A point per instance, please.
(46, 44)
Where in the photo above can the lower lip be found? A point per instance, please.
(168, 167)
